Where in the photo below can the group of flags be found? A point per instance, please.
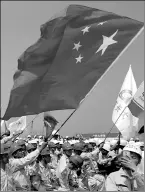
(123, 114)
(72, 54)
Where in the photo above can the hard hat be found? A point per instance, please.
(29, 136)
(45, 151)
(40, 143)
(78, 146)
(113, 142)
(34, 141)
(90, 146)
(3, 150)
(131, 142)
(100, 141)
(21, 142)
(106, 147)
(15, 147)
(66, 146)
(123, 142)
(77, 160)
(141, 144)
(30, 146)
(51, 145)
(133, 148)
(40, 137)
(61, 142)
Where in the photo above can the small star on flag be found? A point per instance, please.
(101, 23)
(86, 29)
(106, 42)
(77, 46)
(79, 59)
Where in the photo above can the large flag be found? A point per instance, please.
(71, 55)
(126, 123)
(18, 125)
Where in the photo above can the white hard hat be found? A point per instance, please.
(29, 136)
(133, 148)
(113, 142)
(123, 142)
(106, 146)
(41, 143)
(131, 142)
(33, 141)
(99, 141)
(141, 144)
(61, 142)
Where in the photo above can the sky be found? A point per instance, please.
(20, 28)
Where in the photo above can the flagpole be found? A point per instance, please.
(133, 39)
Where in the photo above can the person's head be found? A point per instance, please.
(86, 163)
(4, 155)
(29, 137)
(45, 155)
(134, 152)
(67, 149)
(35, 181)
(17, 151)
(93, 144)
(105, 149)
(30, 148)
(21, 142)
(58, 147)
(100, 144)
(75, 162)
(113, 142)
(52, 147)
(78, 148)
(123, 143)
(85, 147)
(90, 148)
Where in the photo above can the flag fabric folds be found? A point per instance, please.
(49, 122)
(72, 53)
(18, 125)
(126, 123)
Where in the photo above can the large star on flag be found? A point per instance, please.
(79, 59)
(86, 29)
(77, 46)
(106, 42)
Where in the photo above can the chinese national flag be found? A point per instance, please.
(72, 53)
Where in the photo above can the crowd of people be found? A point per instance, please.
(71, 164)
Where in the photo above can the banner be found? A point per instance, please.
(18, 125)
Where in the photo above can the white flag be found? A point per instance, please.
(127, 124)
(18, 125)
